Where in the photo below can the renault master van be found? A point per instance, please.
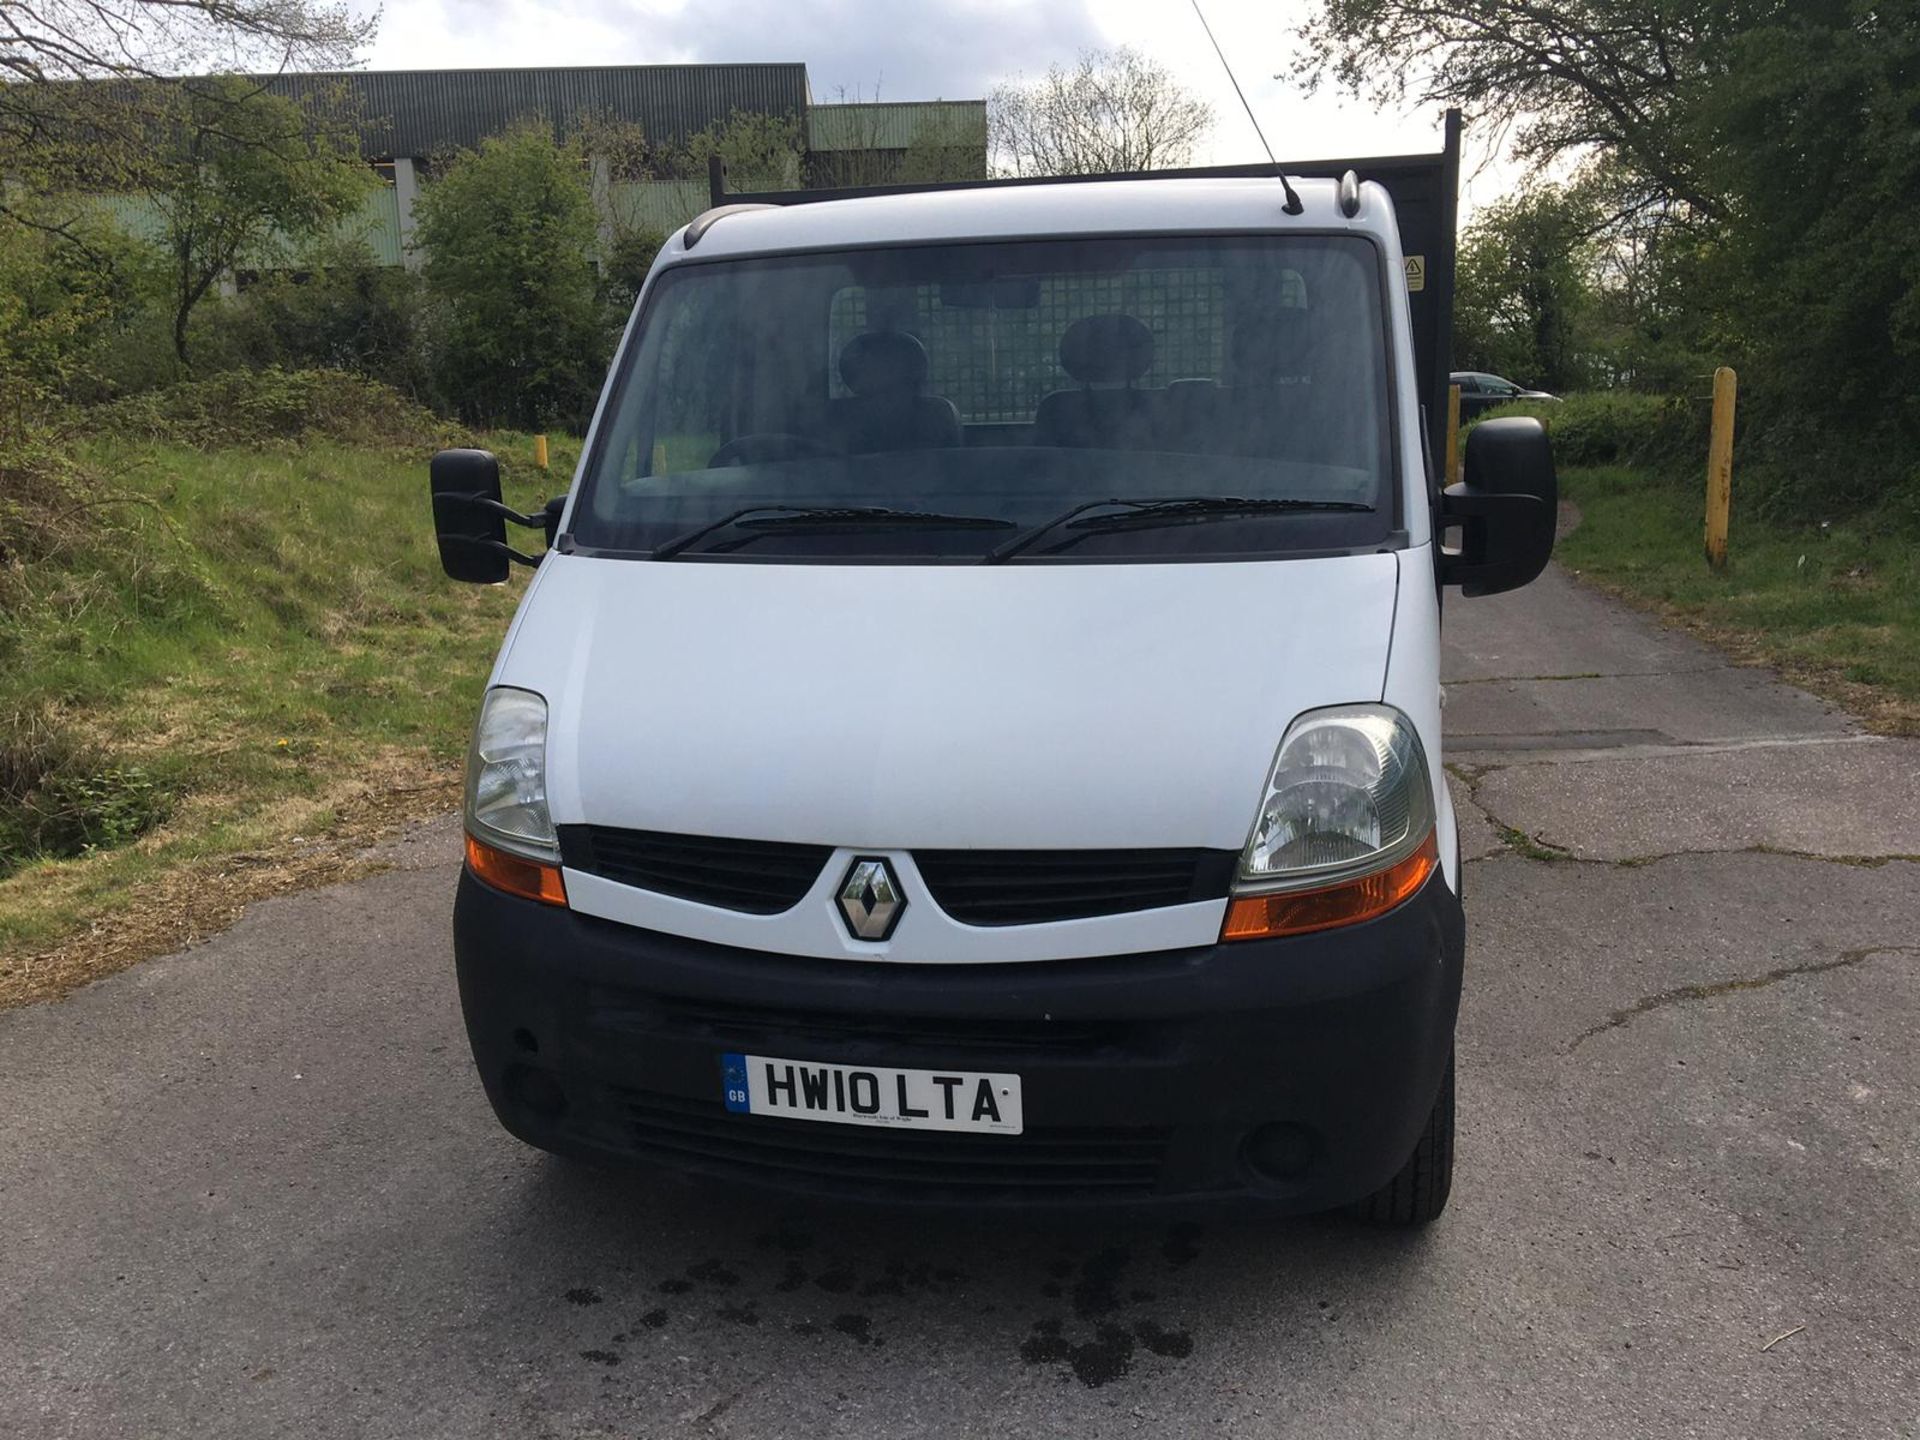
(975, 733)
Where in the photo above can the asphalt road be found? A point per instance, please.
(254, 1189)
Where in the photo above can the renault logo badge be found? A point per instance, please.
(870, 898)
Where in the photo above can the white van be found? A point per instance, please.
(975, 735)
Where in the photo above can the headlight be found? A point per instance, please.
(507, 775)
(1345, 829)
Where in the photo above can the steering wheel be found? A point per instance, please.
(771, 445)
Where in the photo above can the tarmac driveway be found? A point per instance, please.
(254, 1189)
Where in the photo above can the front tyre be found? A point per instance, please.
(1419, 1192)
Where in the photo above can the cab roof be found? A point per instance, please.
(1085, 208)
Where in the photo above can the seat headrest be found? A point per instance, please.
(1106, 349)
(1267, 346)
(883, 361)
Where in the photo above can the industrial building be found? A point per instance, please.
(411, 119)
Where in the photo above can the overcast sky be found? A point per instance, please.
(929, 50)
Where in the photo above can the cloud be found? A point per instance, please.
(909, 49)
(934, 49)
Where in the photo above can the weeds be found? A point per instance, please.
(209, 650)
(61, 797)
(268, 406)
(1523, 844)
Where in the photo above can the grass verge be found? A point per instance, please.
(1835, 607)
(223, 673)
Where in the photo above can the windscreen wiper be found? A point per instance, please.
(781, 516)
(1163, 511)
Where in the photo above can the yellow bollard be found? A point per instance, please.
(1453, 436)
(1720, 467)
(540, 451)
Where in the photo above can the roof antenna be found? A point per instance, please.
(1293, 206)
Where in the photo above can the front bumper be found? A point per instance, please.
(1146, 1078)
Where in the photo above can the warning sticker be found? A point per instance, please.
(1416, 272)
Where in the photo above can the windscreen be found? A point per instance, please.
(931, 403)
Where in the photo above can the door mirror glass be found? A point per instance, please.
(469, 519)
(1505, 508)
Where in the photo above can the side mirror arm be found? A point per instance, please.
(536, 521)
(489, 547)
(546, 518)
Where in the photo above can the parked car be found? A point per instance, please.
(1480, 392)
(975, 733)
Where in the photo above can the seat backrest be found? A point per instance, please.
(1272, 350)
(1110, 352)
(885, 370)
(1267, 407)
(1191, 417)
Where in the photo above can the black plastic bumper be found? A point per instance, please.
(1294, 1072)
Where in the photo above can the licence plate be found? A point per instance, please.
(872, 1094)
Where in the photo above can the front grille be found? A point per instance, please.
(975, 887)
(748, 1026)
(1031, 887)
(1085, 1161)
(760, 877)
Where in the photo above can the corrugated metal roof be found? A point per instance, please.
(421, 112)
(896, 125)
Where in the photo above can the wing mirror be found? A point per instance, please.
(1505, 508)
(470, 520)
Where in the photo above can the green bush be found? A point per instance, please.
(516, 334)
(623, 270)
(245, 407)
(73, 318)
(340, 309)
(137, 357)
(1617, 427)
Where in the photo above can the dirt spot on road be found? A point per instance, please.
(1106, 1352)
(712, 1272)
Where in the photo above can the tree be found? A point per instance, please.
(867, 142)
(1561, 77)
(1115, 110)
(54, 133)
(1764, 190)
(948, 149)
(47, 40)
(622, 146)
(1524, 289)
(1813, 132)
(509, 234)
(241, 174)
(758, 149)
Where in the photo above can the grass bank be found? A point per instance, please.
(221, 672)
(1835, 606)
